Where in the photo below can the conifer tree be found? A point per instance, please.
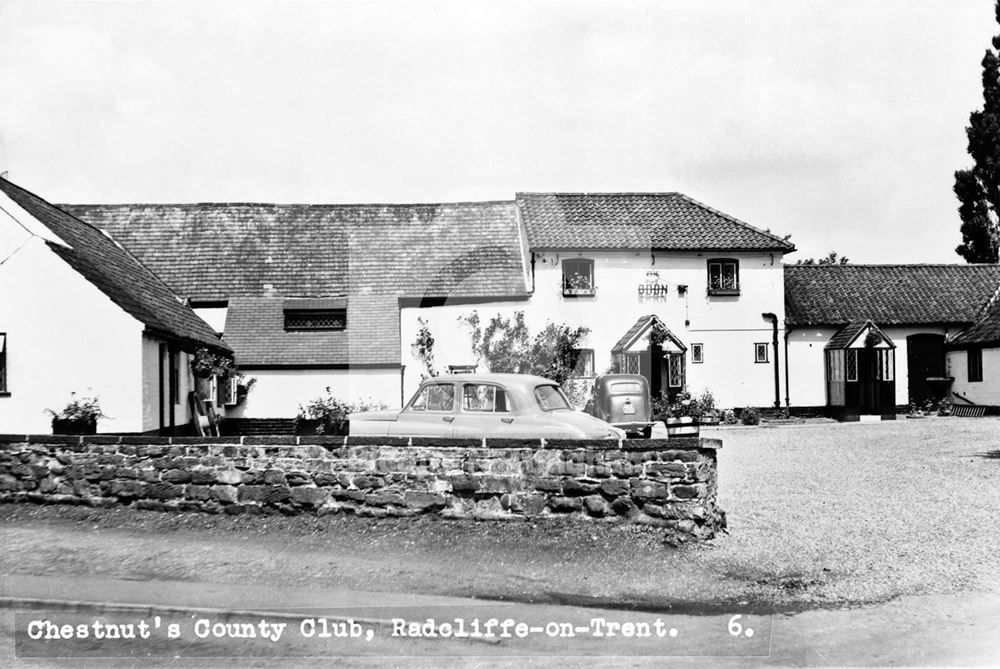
(978, 188)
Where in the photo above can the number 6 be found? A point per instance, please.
(734, 627)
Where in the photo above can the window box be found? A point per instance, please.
(579, 292)
(73, 426)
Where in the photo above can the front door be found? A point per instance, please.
(924, 360)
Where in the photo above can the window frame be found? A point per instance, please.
(587, 355)
(340, 313)
(576, 291)
(675, 371)
(697, 353)
(974, 365)
(722, 289)
(851, 356)
(496, 389)
(757, 348)
(425, 410)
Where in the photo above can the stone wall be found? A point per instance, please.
(666, 483)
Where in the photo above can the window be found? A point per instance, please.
(884, 364)
(852, 364)
(975, 364)
(630, 364)
(697, 353)
(675, 371)
(550, 398)
(584, 365)
(484, 398)
(723, 277)
(315, 319)
(578, 276)
(435, 397)
(760, 352)
(3, 363)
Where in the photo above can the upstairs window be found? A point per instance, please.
(723, 276)
(3, 363)
(975, 365)
(315, 319)
(578, 276)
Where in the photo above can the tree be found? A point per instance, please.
(978, 188)
(831, 259)
(505, 345)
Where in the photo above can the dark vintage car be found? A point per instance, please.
(623, 400)
(517, 406)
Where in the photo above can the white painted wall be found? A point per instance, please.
(728, 327)
(807, 373)
(986, 391)
(278, 393)
(63, 335)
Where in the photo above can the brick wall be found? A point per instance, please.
(666, 483)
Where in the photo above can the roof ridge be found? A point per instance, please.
(291, 204)
(902, 264)
(621, 192)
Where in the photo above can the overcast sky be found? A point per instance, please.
(840, 122)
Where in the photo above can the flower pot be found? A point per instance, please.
(708, 419)
(682, 427)
(70, 426)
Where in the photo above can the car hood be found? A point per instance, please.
(384, 415)
(595, 428)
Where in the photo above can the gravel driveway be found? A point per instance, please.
(819, 515)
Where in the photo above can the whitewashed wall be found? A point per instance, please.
(64, 335)
(728, 327)
(986, 391)
(279, 393)
(807, 373)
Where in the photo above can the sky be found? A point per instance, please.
(840, 123)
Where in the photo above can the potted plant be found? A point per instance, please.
(323, 415)
(944, 408)
(707, 413)
(680, 416)
(79, 416)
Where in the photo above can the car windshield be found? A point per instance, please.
(551, 398)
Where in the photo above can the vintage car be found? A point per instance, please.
(623, 400)
(517, 406)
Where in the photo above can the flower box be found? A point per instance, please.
(579, 292)
(682, 427)
(317, 426)
(74, 426)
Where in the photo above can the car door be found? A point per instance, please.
(485, 411)
(431, 412)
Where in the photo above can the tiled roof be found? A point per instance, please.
(847, 334)
(222, 251)
(255, 328)
(639, 329)
(887, 294)
(986, 331)
(116, 273)
(667, 221)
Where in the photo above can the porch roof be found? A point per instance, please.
(849, 334)
(639, 329)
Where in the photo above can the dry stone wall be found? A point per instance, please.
(667, 483)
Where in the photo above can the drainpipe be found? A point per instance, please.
(788, 331)
(774, 345)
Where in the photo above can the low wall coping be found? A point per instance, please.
(679, 443)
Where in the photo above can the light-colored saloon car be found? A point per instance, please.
(516, 406)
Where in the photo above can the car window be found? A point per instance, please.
(434, 397)
(551, 398)
(485, 398)
(626, 387)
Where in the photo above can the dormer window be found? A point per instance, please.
(315, 314)
(578, 277)
(723, 276)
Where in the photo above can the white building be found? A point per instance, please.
(919, 308)
(79, 314)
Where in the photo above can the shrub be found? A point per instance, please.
(750, 416)
(87, 409)
(331, 411)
